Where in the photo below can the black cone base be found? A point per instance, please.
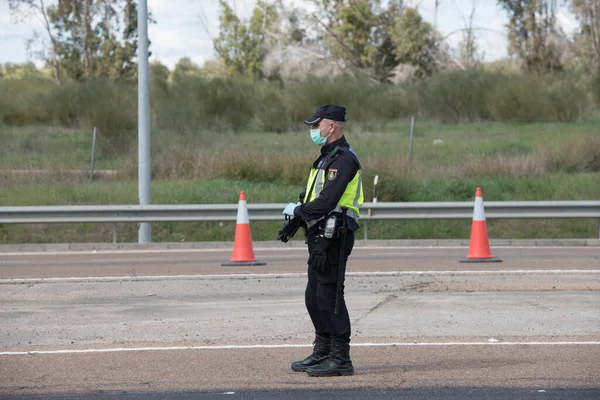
(480, 260)
(242, 263)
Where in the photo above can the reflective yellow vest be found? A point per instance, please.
(352, 198)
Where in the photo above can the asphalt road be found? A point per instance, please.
(175, 324)
(280, 261)
(357, 394)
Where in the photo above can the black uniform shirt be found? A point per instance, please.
(334, 188)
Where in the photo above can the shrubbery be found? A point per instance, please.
(191, 103)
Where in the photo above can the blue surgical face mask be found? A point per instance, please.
(315, 135)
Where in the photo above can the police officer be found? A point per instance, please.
(334, 185)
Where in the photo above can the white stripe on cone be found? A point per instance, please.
(478, 213)
(242, 215)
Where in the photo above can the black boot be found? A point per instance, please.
(337, 364)
(321, 349)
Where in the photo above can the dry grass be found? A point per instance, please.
(499, 165)
(572, 155)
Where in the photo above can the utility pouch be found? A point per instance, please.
(331, 226)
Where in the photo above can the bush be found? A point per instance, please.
(111, 107)
(366, 101)
(193, 103)
(26, 101)
(196, 103)
(573, 156)
(458, 96)
(532, 98)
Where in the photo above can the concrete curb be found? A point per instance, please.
(41, 247)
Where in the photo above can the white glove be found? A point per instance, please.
(289, 209)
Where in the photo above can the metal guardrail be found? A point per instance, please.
(273, 212)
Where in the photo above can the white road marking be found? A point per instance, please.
(137, 251)
(261, 249)
(287, 346)
(103, 260)
(294, 275)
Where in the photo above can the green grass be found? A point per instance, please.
(40, 147)
(58, 148)
(126, 192)
(510, 161)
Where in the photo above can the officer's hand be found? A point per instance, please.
(318, 258)
(289, 229)
(301, 196)
(289, 209)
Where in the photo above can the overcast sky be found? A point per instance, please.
(184, 27)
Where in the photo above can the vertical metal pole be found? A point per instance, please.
(412, 132)
(93, 156)
(145, 229)
(370, 210)
(114, 232)
(375, 182)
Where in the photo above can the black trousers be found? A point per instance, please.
(321, 291)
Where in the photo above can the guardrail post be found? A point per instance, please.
(366, 230)
(93, 156)
(412, 133)
(114, 232)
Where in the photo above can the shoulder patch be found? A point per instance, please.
(332, 174)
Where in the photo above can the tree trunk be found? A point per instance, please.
(86, 31)
(532, 43)
(105, 61)
(74, 22)
(595, 31)
(107, 20)
(55, 66)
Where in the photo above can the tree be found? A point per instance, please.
(360, 33)
(416, 43)
(26, 7)
(89, 38)
(68, 22)
(243, 45)
(377, 37)
(185, 67)
(212, 69)
(467, 51)
(118, 47)
(19, 71)
(159, 77)
(531, 27)
(588, 37)
(294, 52)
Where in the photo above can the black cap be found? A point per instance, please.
(333, 112)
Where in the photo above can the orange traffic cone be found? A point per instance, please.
(479, 248)
(242, 245)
